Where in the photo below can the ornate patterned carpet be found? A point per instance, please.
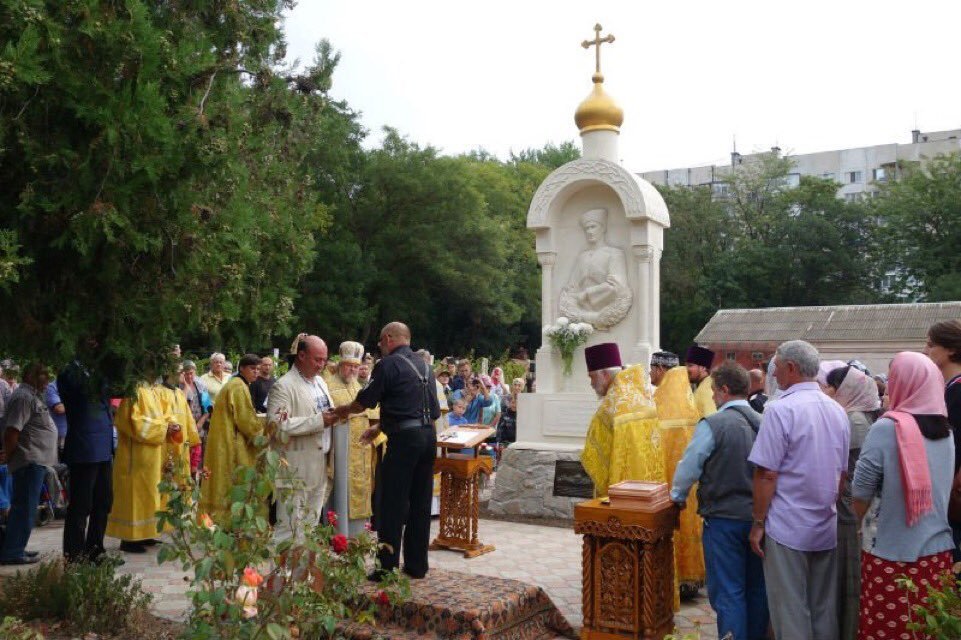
(461, 606)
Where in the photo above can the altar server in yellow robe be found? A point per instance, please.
(623, 442)
(234, 428)
(678, 415)
(144, 425)
(354, 463)
(177, 450)
(698, 363)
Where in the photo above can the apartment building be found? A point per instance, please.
(858, 171)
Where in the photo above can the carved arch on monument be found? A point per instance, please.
(641, 201)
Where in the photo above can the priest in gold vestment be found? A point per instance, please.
(353, 468)
(678, 415)
(623, 442)
(231, 440)
(177, 453)
(144, 425)
(698, 363)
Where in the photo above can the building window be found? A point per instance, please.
(720, 189)
(732, 355)
(828, 176)
(879, 175)
(855, 177)
(757, 356)
(854, 197)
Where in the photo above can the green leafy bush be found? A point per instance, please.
(14, 629)
(86, 597)
(938, 615)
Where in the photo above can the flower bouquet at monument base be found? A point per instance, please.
(566, 337)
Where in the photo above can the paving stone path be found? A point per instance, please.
(546, 556)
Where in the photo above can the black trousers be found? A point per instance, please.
(406, 488)
(91, 498)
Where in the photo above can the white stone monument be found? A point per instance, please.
(599, 236)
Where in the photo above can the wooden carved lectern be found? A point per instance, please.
(459, 490)
(628, 570)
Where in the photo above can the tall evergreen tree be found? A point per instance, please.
(153, 173)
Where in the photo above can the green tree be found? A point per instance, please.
(920, 215)
(550, 155)
(767, 243)
(439, 242)
(152, 172)
(694, 242)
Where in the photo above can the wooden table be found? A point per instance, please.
(627, 568)
(459, 492)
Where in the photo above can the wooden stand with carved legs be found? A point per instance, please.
(628, 571)
(460, 503)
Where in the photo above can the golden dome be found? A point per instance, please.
(598, 111)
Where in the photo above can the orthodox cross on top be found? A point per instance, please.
(597, 42)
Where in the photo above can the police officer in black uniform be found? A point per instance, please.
(403, 386)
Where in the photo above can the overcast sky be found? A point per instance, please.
(690, 76)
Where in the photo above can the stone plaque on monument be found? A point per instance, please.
(571, 481)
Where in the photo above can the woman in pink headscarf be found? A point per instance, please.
(907, 461)
(858, 396)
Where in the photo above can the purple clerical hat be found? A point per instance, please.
(699, 355)
(602, 356)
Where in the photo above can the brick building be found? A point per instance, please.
(871, 333)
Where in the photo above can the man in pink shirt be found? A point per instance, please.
(800, 456)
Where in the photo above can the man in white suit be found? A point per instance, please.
(296, 405)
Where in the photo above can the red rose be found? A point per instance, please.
(332, 518)
(339, 543)
(382, 598)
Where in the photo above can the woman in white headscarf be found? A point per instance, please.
(858, 395)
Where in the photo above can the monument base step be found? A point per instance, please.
(526, 484)
(450, 605)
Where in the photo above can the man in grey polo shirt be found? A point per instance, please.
(29, 446)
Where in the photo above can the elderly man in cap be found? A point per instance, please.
(677, 416)
(698, 362)
(623, 442)
(353, 470)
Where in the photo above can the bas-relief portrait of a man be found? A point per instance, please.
(597, 291)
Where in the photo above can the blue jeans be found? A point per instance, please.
(735, 579)
(27, 482)
(6, 487)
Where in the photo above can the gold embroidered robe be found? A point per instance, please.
(230, 445)
(360, 461)
(678, 415)
(704, 398)
(178, 455)
(141, 424)
(623, 442)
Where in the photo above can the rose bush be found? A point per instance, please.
(245, 585)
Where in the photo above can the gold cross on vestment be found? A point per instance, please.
(597, 42)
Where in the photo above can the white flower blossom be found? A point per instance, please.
(563, 322)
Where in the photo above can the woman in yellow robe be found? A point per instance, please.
(142, 430)
(230, 442)
(678, 414)
(178, 454)
(623, 442)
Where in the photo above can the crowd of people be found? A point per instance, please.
(817, 484)
(199, 428)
